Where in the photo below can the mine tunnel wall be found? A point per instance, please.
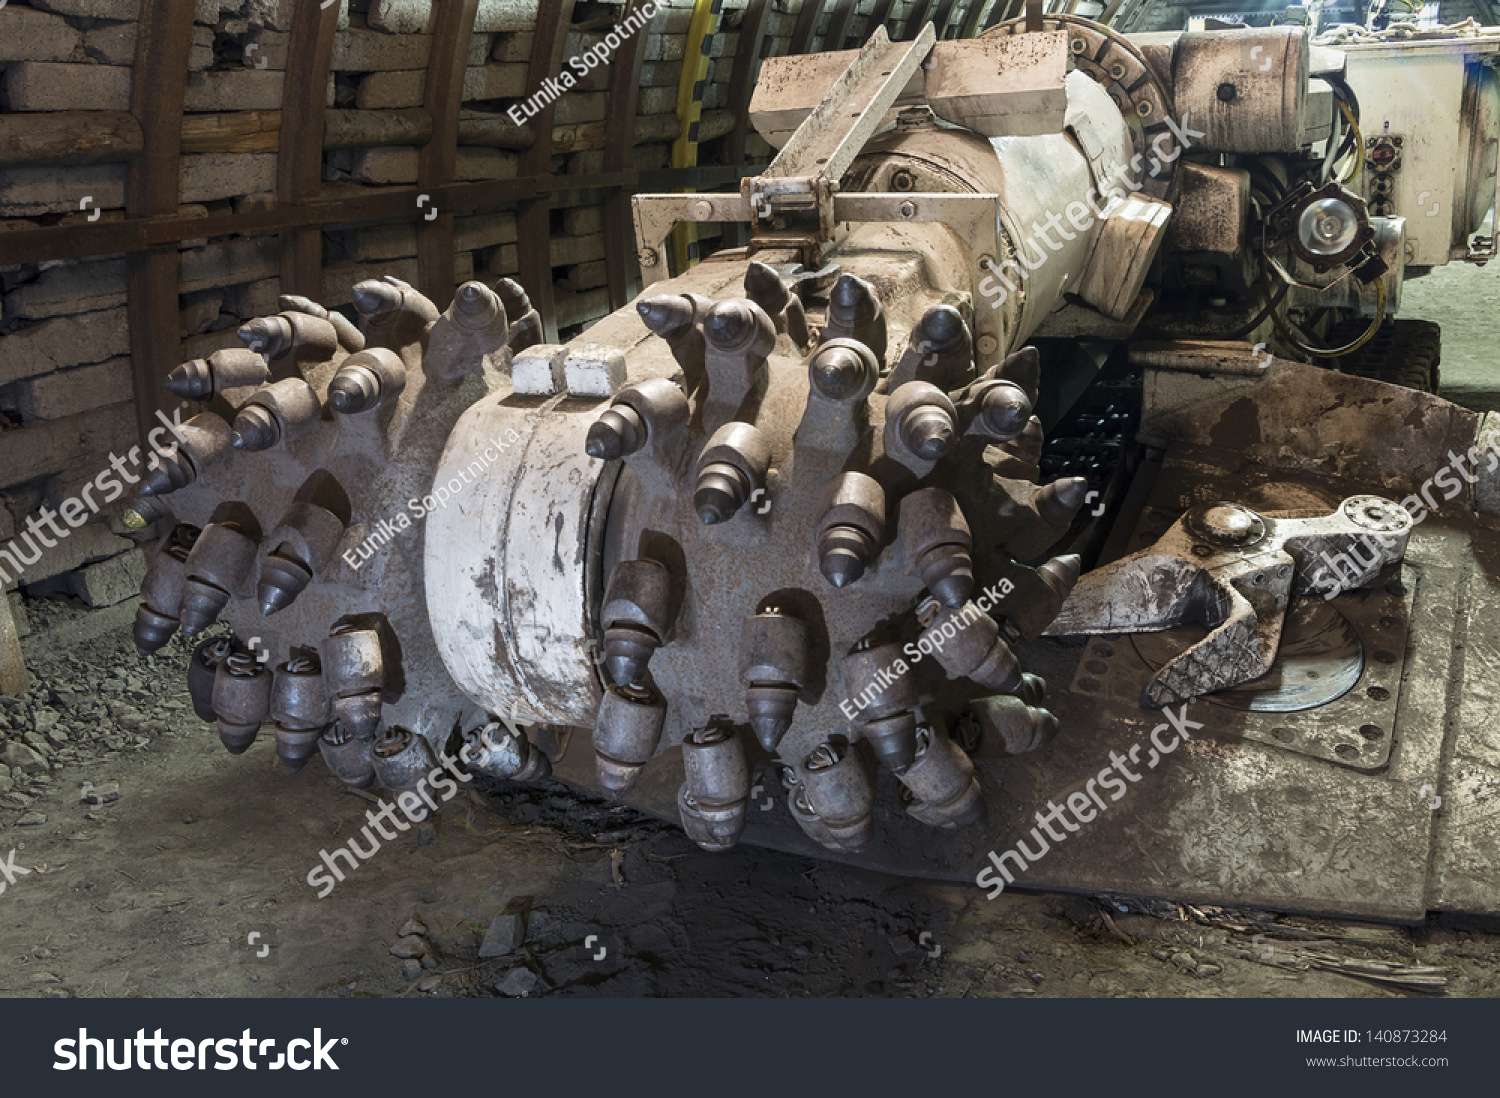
(72, 373)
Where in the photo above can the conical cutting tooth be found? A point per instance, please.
(157, 617)
(1059, 501)
(773, 667)
(242, 700)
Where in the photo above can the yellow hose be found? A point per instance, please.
(690, 87)
(1348, 348)
(1359, 144)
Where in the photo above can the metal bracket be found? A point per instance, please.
(972, 218)
(1234, 570)
(805, 174)
(655, 216)
(1489, 245)
(803, 178)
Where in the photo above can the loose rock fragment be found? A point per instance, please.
(409, 946)
(505, 935)
(517, 983)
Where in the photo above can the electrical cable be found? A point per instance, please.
(1359, 144)
(1348, 348)
(1348, 103)
(1273, 301)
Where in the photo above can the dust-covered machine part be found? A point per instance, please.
(810, 516)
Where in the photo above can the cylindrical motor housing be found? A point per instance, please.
(1245, 88)
(1039, 179)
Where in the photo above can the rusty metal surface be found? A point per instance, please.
(761, 550)
(1464, 873)
(1140, 95)
(1325, 654)
(1296, 418)
(708, 547)
(995, 86)
(801, 180)
(1246, 87)
(1212, 206)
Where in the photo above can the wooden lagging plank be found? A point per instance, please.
(152, 185)
(622, 276)
(533, 220)
(438, 159)
(13, 675)
(299, 152)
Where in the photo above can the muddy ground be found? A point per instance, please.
(192, 882)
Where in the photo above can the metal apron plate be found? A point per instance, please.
(1466, 856)
(1339, 705)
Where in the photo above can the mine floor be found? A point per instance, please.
(193, 881)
